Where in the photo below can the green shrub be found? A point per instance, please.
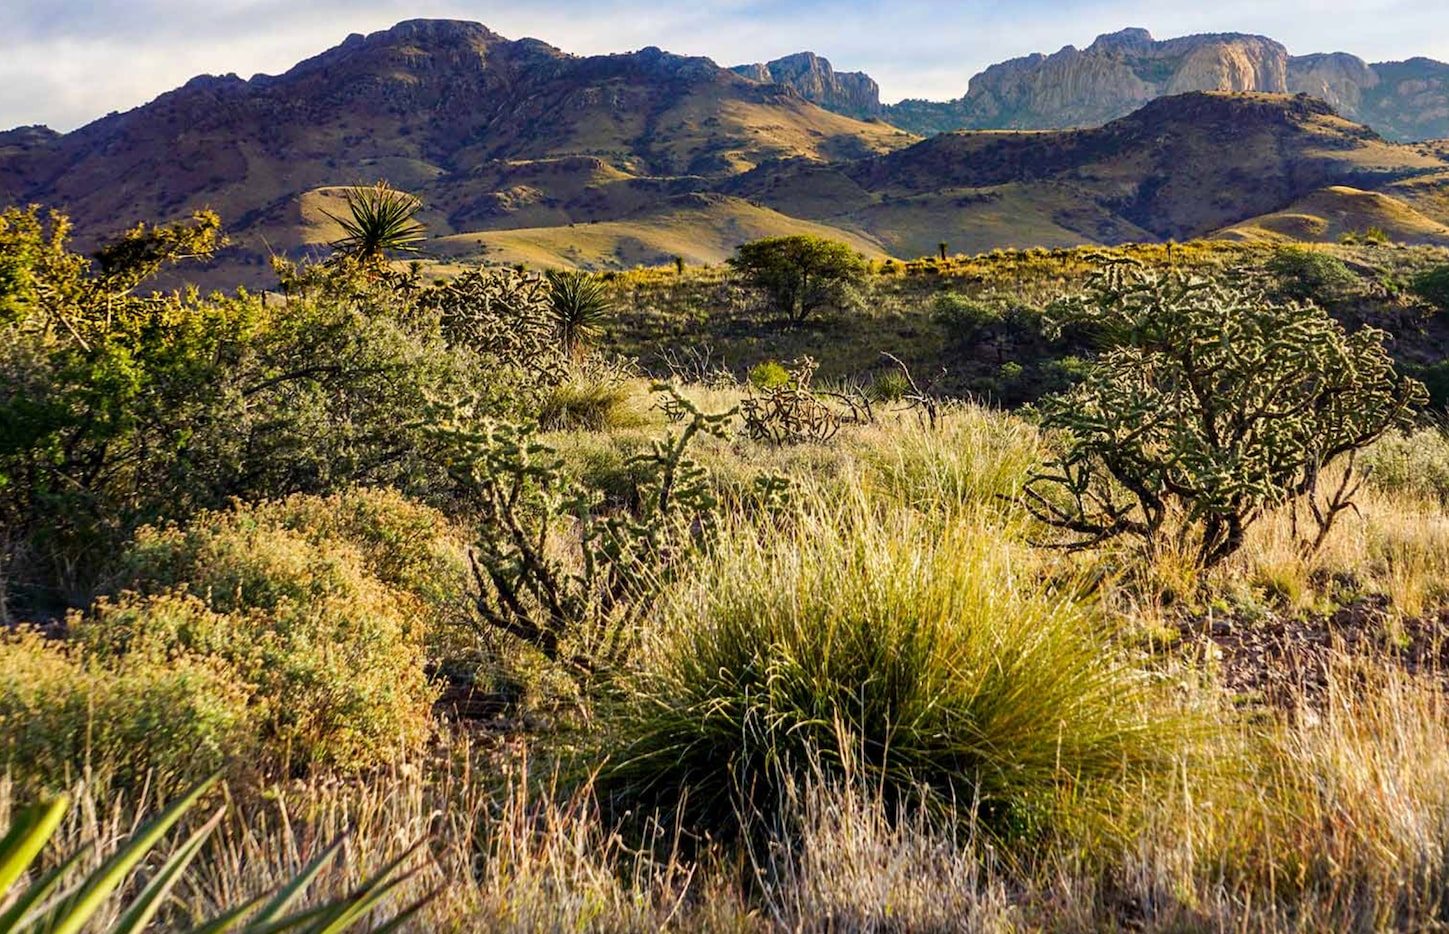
(304, 616)
(908, 650)
(170, 718)
(770, 374)
(1310, 275)
(1432, 285)
(802, 274)
(1410, 462)
(963, 319)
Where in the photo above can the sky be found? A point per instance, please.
(67, 62)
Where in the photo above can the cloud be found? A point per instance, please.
(70, 61)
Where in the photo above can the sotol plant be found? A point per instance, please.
(1211, 406)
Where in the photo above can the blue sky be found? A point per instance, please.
(69, 61)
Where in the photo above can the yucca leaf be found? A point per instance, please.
(38, 892)
(289, 893)
(71, 913)
(27, 838)
(144, 908)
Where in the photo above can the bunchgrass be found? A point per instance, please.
(921, 650)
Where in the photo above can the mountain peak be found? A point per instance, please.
(812, 77)
(1132, 38)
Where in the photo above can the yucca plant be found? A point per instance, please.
(48, 906)
(380, 219)
(580, 305)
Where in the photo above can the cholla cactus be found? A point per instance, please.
(1211, 406)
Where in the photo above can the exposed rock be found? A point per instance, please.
(851, 93)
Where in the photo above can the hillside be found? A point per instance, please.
(523, 153)
(490, 132)
(1179, 168)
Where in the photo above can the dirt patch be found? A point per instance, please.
(1285, 661)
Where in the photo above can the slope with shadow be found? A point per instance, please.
(490, 132)
(1179, 168)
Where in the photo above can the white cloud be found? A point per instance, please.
(69, 61)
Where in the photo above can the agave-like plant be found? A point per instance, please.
(47, 906)
(579, 305)
(380, 219)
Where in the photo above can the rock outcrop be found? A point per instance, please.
(847, 92)
(1122, 71)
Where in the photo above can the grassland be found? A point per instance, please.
(882, 702)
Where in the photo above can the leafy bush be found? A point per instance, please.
(323, 624)
(1212, 406)
(963, 319)
(907, 650)
(1432, 285)
(64, 712)
(1310, 275)
(770, 374)
(118, 410)
(802, 274)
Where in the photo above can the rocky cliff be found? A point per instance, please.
(846, 92)
(1122, 71)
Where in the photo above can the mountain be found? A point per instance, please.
(521, 152)
(1121, 71)
(848, 92)
(492, 132)
(1178, 168)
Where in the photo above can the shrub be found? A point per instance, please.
(330, 651)
(768, 375)
(1212, 406)
(171, 718)
(118, 410)
(802, 274)
(1432, 285)
(594, 397)
(1310, 275)
(963, 319)
(908, 650)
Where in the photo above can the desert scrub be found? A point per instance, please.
(913, 648)
(65, 713)
(1415, 463)
(331, 652)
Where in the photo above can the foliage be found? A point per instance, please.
(1432, 285)
(963, 319)
(581, 608)
(379, 220)
(319, 621)
(118, 409)
(903, 650)
(802, 274)
(1211, 406)
(580, 305)
(1310, 275)
(48, 906)
(770, 374)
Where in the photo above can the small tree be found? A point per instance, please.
(802, 274)
(1432, 285)
(1211, 406)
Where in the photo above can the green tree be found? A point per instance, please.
(802, 274)
(1211, 406)
(379, 220)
